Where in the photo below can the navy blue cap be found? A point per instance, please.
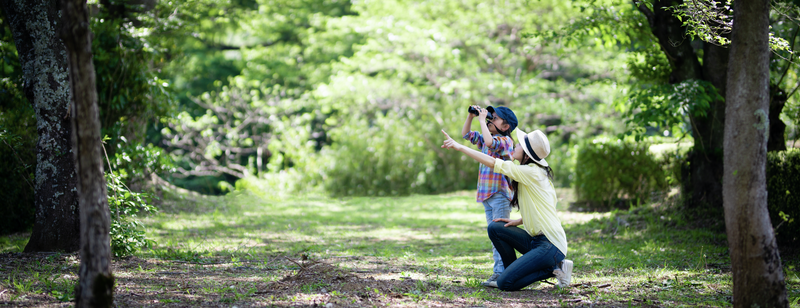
(507, 115)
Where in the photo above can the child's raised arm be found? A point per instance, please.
(467, 124)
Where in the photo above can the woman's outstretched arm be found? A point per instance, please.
(449, 143)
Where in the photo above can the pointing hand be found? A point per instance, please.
(448, 143)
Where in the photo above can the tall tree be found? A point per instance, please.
(757, 274)
(705, 174)
(96, 284)
(44, 65)
(682, 81)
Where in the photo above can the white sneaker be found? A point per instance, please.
(564, 274)
(492, 281)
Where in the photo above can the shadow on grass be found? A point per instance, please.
(362, 252)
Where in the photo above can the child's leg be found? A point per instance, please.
(497, 206)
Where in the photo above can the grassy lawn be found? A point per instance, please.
(247, 250)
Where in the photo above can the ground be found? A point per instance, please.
(419, 251)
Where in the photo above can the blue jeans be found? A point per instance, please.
(539, 256)
(497, 206)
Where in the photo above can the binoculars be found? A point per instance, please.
(475, 111)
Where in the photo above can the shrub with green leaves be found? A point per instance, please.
(608, 170)
(783, 193)
(132, 163)
(17, 182)
(17, 141)
(135, 162)
(391, 156)
(127, 233)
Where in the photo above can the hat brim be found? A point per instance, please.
(521, 137)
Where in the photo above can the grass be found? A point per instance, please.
(245, 250)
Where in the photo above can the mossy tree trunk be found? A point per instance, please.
(44, 64)
(96, 282)
(755, 263)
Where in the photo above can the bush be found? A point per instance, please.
(127, 233)
(562, 160)
(17, 141)
(135, 163)
(131, 165)
(17, 193)
(609, 170)
(393, 156)
(783, 193)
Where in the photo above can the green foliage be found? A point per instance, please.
(611, 24)
(16, 197)
(387, 159)
(666, 106)
(562, 161)
(129, 92)
(17, 141)
(236, 128)
(127, 234)
(607, 170)
(400, 100)
(712, 22)
(783, 193)
(132, 163)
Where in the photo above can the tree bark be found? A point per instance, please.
(96, 282)
(44, 65)
(777, 129)
(706, 161)
(757, 274)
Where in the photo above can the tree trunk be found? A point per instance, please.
(706, 161)
(674, 42)
(777, 129)
(44, 65)
(757, 274)
(96, 283)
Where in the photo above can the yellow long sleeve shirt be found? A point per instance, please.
(537, 201)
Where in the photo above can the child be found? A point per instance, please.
(493, 188)
(542, 241)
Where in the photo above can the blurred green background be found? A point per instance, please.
(347, 98)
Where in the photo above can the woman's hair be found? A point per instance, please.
(526, 160)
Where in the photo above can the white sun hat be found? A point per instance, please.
(535, 144)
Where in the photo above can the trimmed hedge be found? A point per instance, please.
(783, 193)
(609, 170)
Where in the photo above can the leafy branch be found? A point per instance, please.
(229, 138)
(668, 105)
(712, 22)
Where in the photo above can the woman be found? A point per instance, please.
(542, 240)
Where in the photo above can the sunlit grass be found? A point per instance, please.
(224, 248)
(446, 235)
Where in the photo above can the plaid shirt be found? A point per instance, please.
(490, 182)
